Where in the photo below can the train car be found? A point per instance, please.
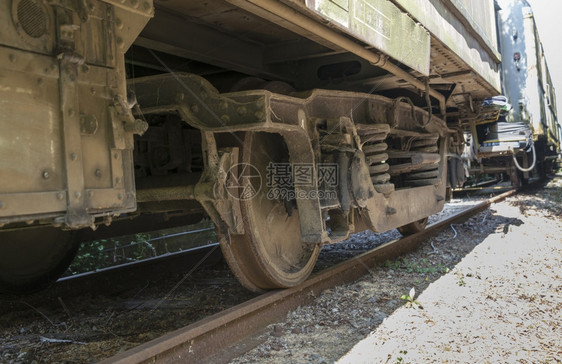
(290, 123)
(518, 135)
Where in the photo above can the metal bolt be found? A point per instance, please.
(46, 175)
(12, 58)
(77, 194)
(90, 194)
(259, 115)
(194, 108)
(116, 155)
(120, 42)
(98, 173)
(118, 23)
(60, 196)
(118, 180)
(70, 112)
(73, 156)
(241, 110)
(85, 68)
(93, 91)
(225, 118)
(120, 196)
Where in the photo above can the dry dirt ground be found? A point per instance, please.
(486, 291)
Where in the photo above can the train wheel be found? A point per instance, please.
(413, 227)
(31, 258)
(270, 254)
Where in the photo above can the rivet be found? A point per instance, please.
(98, 173)
(241, 110)
(60, 196)
(118, 23)
(116, 155)
(194, 108)
(85, 68)
(120, 196)
(40, 81)
(70, 112)
(118, 180)
(45, 175)
(146, 5)
(120, 42)
(93, 91)
(135, 3)
(1, 205)
(90, 194)
(12, 58)
(259, 115)
(73, 156)
(77, 194)
(225, 118)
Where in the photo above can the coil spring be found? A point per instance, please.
(373, 140)
(428, 174)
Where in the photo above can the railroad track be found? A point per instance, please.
(118, 278)
(220, 337)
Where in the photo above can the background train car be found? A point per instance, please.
(290, 123)
(522, 138)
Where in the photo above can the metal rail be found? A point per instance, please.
(218, 338)
(122, 277)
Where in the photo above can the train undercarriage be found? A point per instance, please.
(287, 132)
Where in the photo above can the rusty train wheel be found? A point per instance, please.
(33, 257)
(413, 227)
(270, 254)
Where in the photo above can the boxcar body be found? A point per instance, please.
(524, 139)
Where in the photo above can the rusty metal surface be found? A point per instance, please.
(65, 135)
(453, 31)
(205, 340)
(381, 24)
